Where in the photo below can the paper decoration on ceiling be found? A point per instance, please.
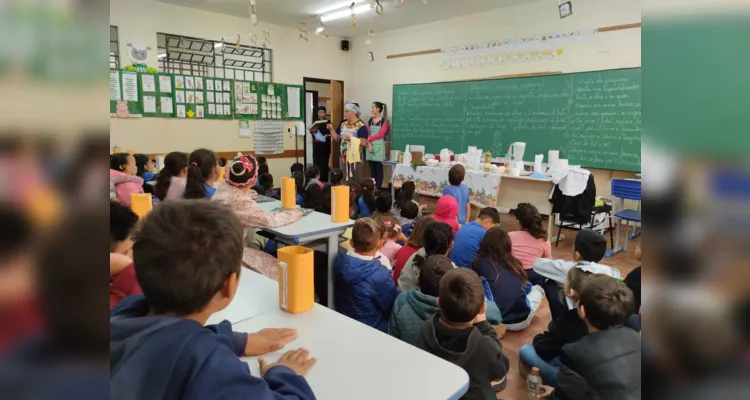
(504, 58)
(354, 16)
(302, 34)
(370, 34)
(370, 56)
(378, 6)
(181, 43)
(531, 42)
(237, 44)
(267, 38)
(566, 9)
(223, 44)
(399, 3)
(253, 38)
(253, 15)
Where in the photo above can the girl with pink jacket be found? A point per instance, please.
(122, 170)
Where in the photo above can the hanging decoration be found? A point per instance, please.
(253, 15)
(399, 3)
(223, 44)
(354, 16)
(253, 38)
(267, 38)
(237, 43)
(370, 34)
(302, 35)
(378, 7)
(181, 44)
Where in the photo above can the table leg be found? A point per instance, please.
(333, 251)
(550, 225)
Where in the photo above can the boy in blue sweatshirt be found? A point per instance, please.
(365, 290)
(188, 257)
(466, 243)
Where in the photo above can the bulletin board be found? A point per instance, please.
(157, 95)
(124, 93)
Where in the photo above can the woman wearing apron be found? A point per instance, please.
(352, 126)
(375, 154)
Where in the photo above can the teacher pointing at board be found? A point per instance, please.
(353, 135)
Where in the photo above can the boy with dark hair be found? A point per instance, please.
(188, 257)
(438, 239)
(262, 169)
(467, 240)
(459, 191)
(461, 334)
(606, 363)
(365, 290)
(409, 212)
(588, 250)
(296, 167)
(261, 160)
(412, 308)
(266, 182)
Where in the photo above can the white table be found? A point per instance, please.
(312, 227)
(256, 294)
(355, 361)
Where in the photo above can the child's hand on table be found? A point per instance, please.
(296, 360)
(268, 340)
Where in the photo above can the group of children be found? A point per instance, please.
(440, 282)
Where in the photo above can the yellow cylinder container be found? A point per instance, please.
(296, 284)
(288, 193)
(140, 203)
(220, 178)
(116, 150)
(131, 152)
(340, 203)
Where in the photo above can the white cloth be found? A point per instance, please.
(557, 270)
(571, 181)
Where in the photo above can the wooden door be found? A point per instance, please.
(337, 115)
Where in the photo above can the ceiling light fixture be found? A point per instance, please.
(339, 6)
(346, 13)
(162, 55)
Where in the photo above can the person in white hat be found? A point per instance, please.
(352, 126)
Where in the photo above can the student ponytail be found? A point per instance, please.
(174, 163)
(201, 165)
(310, 174)
(368, 194)
(531, 221)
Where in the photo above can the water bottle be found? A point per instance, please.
(507, 160)
(533, 385)
(112, 193)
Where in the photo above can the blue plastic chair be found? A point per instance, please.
(625, 189)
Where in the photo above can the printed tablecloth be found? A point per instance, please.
(483, 186)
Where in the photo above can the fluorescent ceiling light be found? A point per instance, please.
(345, 13)
(162, 55)
(217, 45)
(338, 6)
(320, 29)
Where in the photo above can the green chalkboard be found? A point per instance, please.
(592, 118)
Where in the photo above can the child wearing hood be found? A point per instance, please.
(414, 307)
(187, 258)
(234, 193)
(447, 211)
(461, 334)
(365, 290)
(122, 174)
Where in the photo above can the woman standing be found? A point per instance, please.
(378, 126)
(321, 149)
(351, 127)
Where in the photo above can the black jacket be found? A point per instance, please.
(567, 329)
(575, 208)
(633, 280)
(474, 349)
(603, 365)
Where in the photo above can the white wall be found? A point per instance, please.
(140, 20)
(374, 81)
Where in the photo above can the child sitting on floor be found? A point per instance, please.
(393, 235)
(187, 259)
(414, 307)
(447, 211)
(415, 242)
(530, 243)
(122, 173)
(438, 239)
(605, 363)
(366, 201)
(588, 249)
(383, 203)
(364, 287)
(470, 235)
(461, 334)
(122, 280)
(409, 212)
(234, 193)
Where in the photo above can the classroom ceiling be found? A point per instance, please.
(303, 13)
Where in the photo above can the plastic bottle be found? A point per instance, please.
(533, 385)
(507, 160)
(487, 157)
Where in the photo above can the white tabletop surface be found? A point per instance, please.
(255, 295)
(355, 361)
(313, 224)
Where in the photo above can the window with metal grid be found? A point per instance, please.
(114, 48)
(203, 57)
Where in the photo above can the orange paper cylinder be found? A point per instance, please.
(220, 178)
(296, 284)
(340, 203)
(288, 193)
(116, 150)
(140, 203)
(131, 152)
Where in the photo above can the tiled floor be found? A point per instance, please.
(625, 262)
